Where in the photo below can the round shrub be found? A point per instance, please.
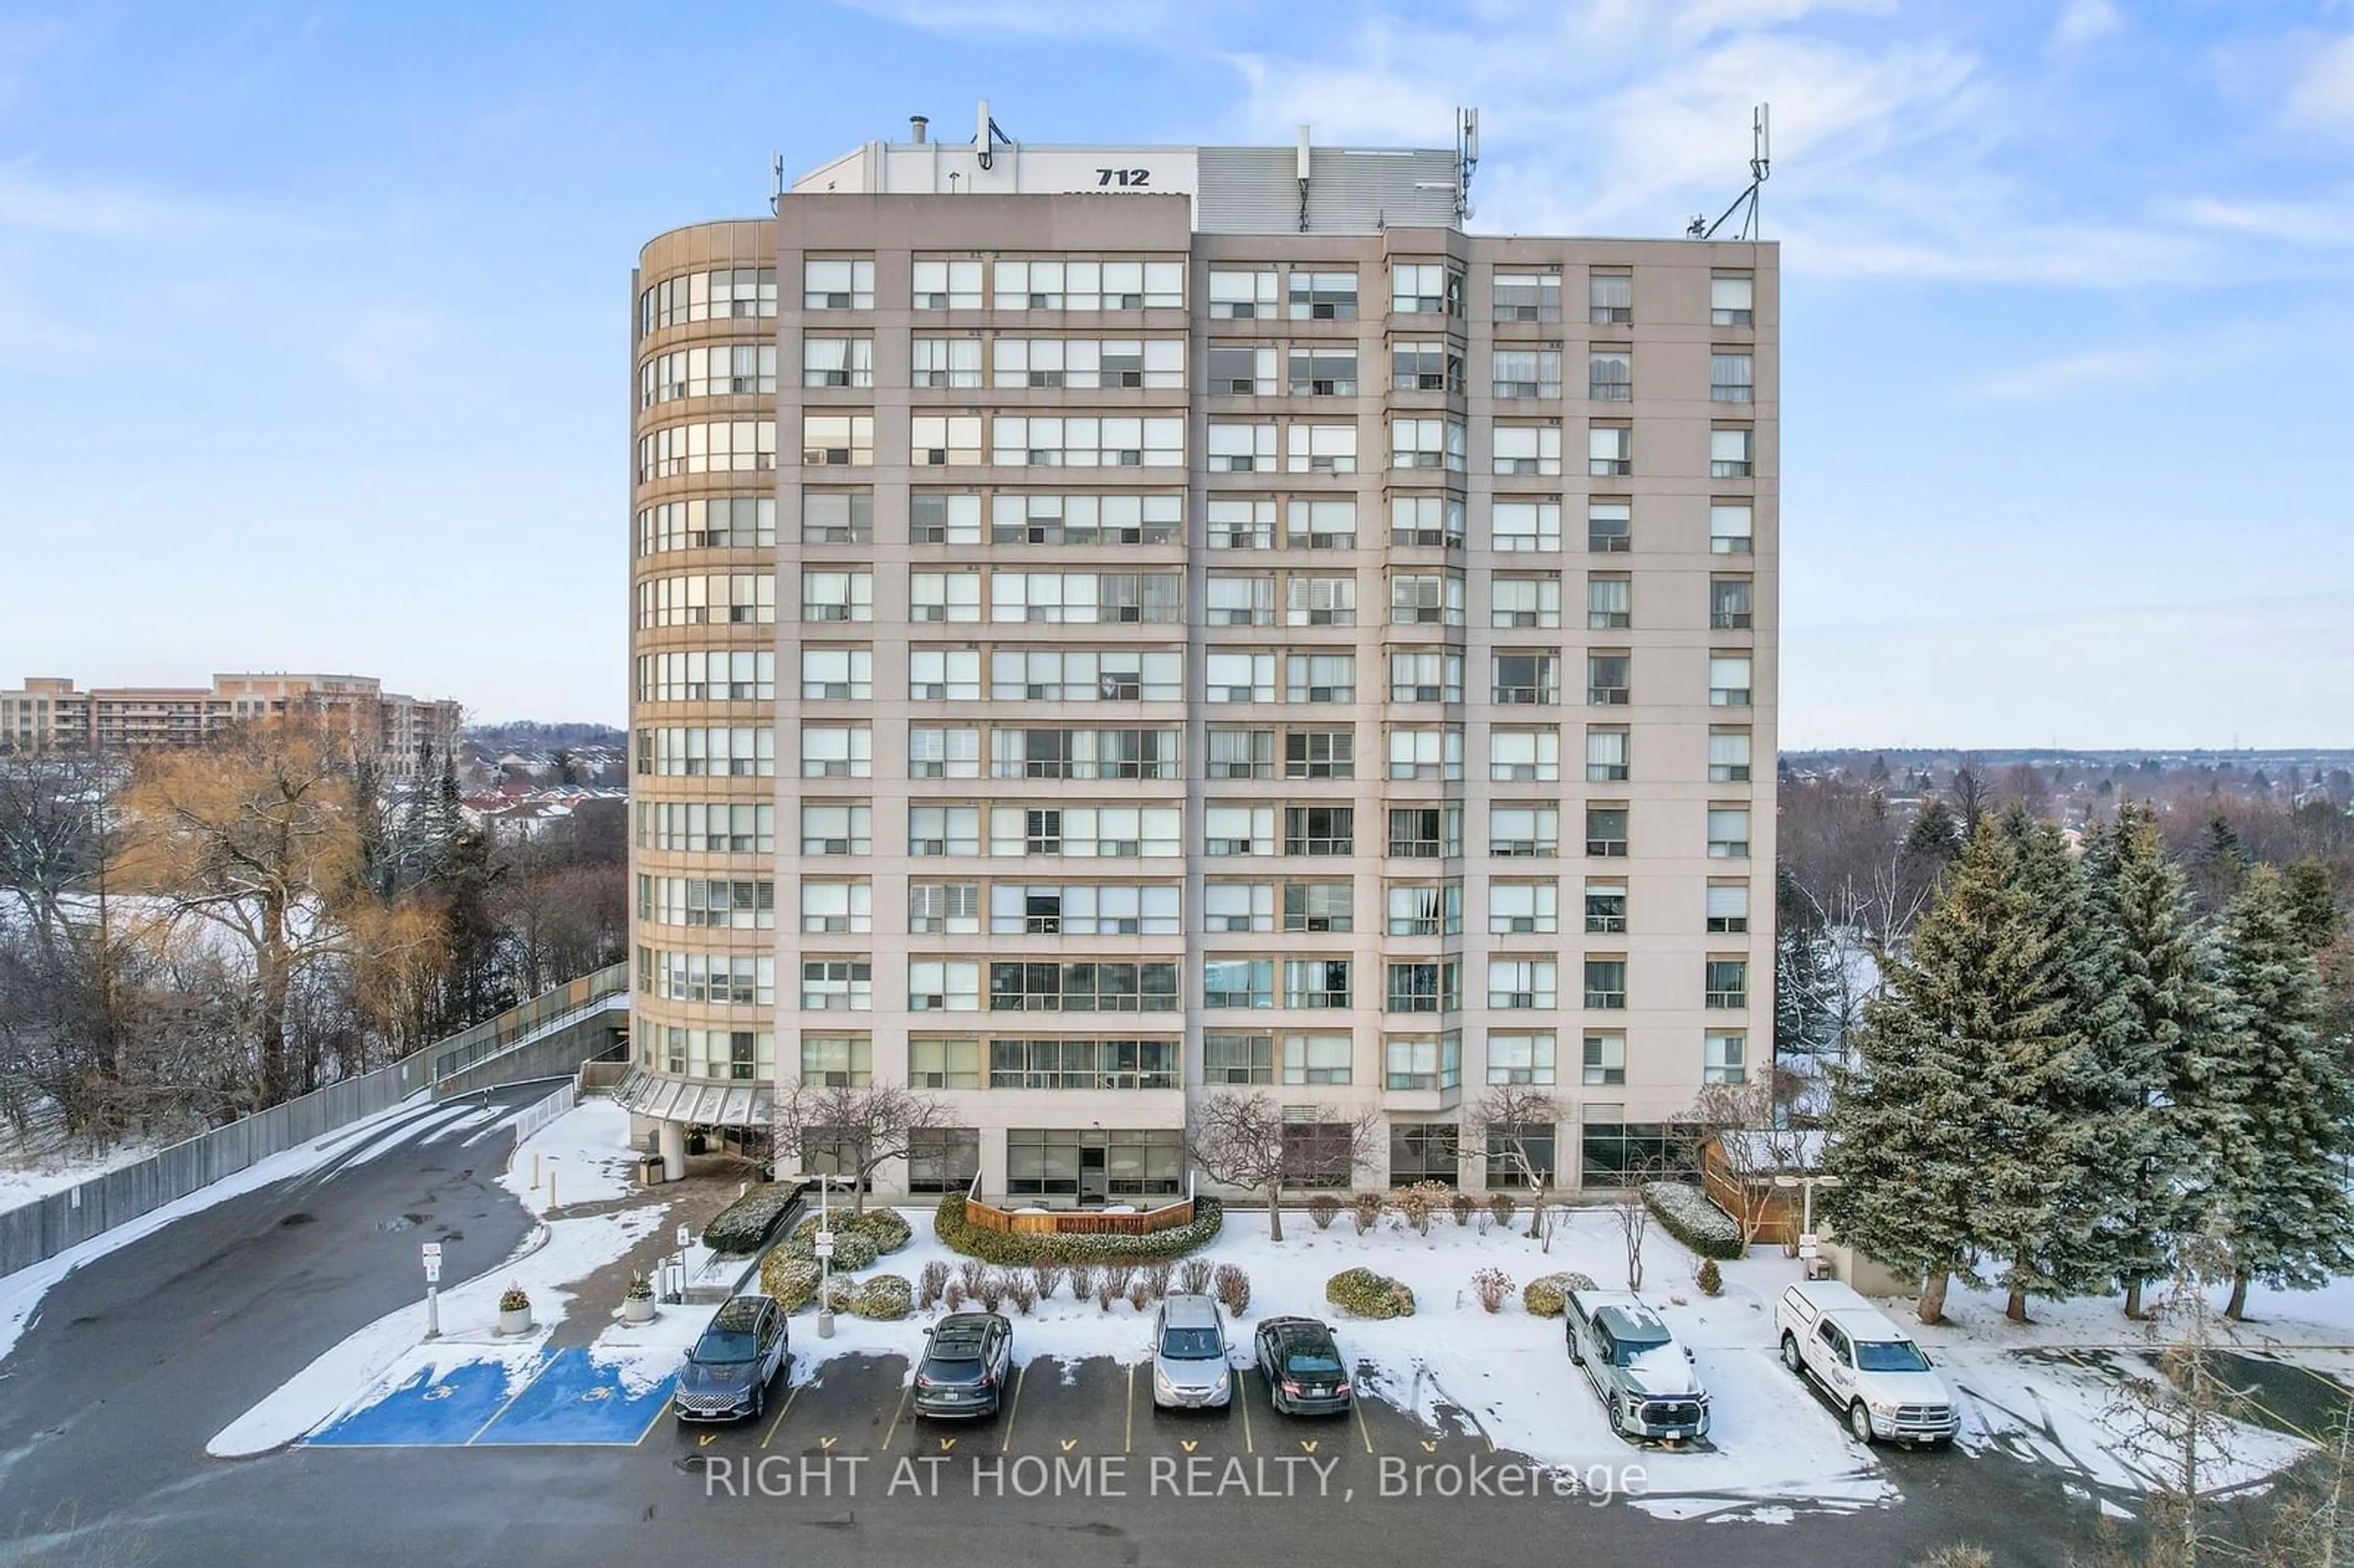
(852, 1250)
(1369, 1295)
(887, 1228)
(1011, 1250)
(839, 1294)
(790, 1280)
(1711, 1279)
(883, 1297)
(1547, 1296)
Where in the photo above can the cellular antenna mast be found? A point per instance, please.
(776, 182)
(1748, 203)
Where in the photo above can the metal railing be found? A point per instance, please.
(39, 1230)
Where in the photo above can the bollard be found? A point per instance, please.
(535, 1168)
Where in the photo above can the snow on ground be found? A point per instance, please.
(583, 1156)
(26, 1178)
(21, 1292)
(557, 1256)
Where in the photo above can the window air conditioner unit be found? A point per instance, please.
(929, 1002)
(932, 846)
(1523, 924)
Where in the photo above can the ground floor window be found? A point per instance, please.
(833, 1151)
(1318, 1153)
(943, 1159)
(1610, 1153)
(1514, 1151)
(1424, 1151)
(1094, 1165)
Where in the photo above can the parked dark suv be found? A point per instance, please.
(1304, 1372)
(965, 1366)
(728, 1373)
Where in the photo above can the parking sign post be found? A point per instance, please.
(432, 1290)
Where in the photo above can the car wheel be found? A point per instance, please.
(1618, 1419)
(1791, 1357)
(759, 1402)
(1858, 1421)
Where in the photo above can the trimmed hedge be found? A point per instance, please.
(1014, 1249)
(1686, 1214)
(791, 1281)
(883, 1229)
(1547, 1296)
(740, 1228)
(852, 1250)
(1369, 1295)
(884, 1296)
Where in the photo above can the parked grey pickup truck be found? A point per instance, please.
(1643, 1377)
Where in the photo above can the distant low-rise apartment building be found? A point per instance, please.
(402, 732)
(1110, 625)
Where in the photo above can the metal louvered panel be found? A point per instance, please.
(1256, 190)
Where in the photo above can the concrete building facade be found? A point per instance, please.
(1114, 625)
(401, 732)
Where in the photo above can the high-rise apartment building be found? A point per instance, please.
(404, 735)
(1110, 624)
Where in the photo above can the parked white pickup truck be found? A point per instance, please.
(1871, 1369)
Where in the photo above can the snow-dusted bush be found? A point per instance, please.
(960, 1234)
(887, 1228)
(1492, 1286)
(882, 1297)
(952, 1296)
(1547, 1296)
(931, 1283)
(1046, 1278)
(1460, 1206)
(1104, 1293)
(1324, 1208)
(1685, 1212)
(1501, 1206)
(1194, 1277)
(743, 1226)
(969, 1274)
(1366, 1211)
(1233, 1287)
(1369, 1295)
(990, 1292)
(1139, 1293)
(1023, 1288)
(1419, 1202)
(1083, 1281)
(1156, 1278)
(791, 1281)
(1711, 1279)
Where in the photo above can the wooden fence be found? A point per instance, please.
(987, 1216)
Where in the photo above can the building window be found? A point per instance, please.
(1320, 754)
(1609, 679)
(837, 595)
(1425, 367)
(1728, 908)
(946, 1063)
(1610, 375)
(1238, 982)
(1422, 1061)
(1239, 296)
(837, 985)
(837, 285)
(1425, 677)
(836, 362)
(1426, 987)
(1728, 832)
(1605, 908)
(1522, 908)
(1724, 1059)
(1082, 985)
(1321, 678)
(1610, 298)
(1525, 296)
(1525, 373)
(1232, 830)
(1241, 449)
(1319, 829)
(1432, 754)
(1321, 448)
(1606, 757)
(1526, 525)
(720, 522)
(1317, 1058)
(1605, 833)
(1428, 444)
(1729, 453)
(1523, 602)
(1527, 450)
(1520, 1058)
(1520, 832)
(837, 751)
(1325, 370)
(1310, 600)
(944, 362)
(837, 1061)
(1525, 678)
(1242, 369)
(1425, 288)
(838, 441)
(944, 440)
(1610, 451)
(1426, 520)
(837, 829)
(947, 285)
(1524, 756)
(1728, 756)
(1426, 833)
(1237, 1058)
(1729, 604)
(1731, 376)
(1727, 984)
(1054, 441)
(832, 517)
(1522, 983)
(1610, 603)
(1088, 1165)
(943, 907)
(1086, 364)
(934, 831)
(1606, 1059)
(729, 293)
(1424, 910)
(1729, 528)
(1323, 296)
(1609, 527)
(1424, 1151)
(1732, 300)
(1316, 982)
(936, 517)
(837, 906)
(943, 985)
(1521, 1155)
(1319, 906)
(1728, 681)
(943, 1159)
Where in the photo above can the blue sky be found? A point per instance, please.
(315, 316)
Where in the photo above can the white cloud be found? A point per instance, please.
(2323, 221)
(1154, 21)
(2083, 22)
(2073, 372)
(2322, 96)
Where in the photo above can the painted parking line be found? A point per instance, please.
(897, 1415)
(1013, 1407)
(770, 1436)
(578, 1400)
(1241, 1396)
(425, 1411)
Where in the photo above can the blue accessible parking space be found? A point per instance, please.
(578, 1399)
(426, 1407)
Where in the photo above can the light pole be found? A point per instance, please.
(1806, 1224)
(825, 1249)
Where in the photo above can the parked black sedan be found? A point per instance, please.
(965, 1367)
(1304, 1372)
(727, 1374)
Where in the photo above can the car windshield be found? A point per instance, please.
(953, 1367)
(719, 1347)
(1311, 1363)
(1627, 1352)
(1890, 1355)
(1190, 1344)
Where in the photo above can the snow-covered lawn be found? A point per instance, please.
(26, 1177)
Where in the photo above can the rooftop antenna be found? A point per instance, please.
(1302, 165)
(987, 134)
(1748, 203)
(1467, 158)
(775, 183)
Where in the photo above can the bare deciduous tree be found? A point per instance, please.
(1509, 1123)
(850, 1130)
(1244, 1139)
(1754, 1143)
(1633, 1217)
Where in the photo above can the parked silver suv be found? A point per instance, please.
(1188, 1355)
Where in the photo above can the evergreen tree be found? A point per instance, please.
(1930, 1105)
(2281, 1199)
(1937, 831)
(2313, 907)
(2160, 979)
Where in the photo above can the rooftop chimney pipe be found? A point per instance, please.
(916, 123)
